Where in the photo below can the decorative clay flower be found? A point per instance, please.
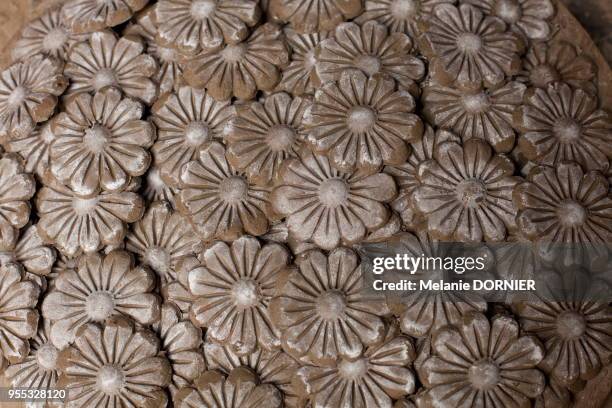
(263, 135)
(34, 148)
(185, 120)
(477, 113)
(161, 238)
(362, 123)
(560, 123)
(466, 192)
(329, 207)
(528, 16)
(191, 26)
(239, 390)
(272, 367)
(566, 206)
(241, 69)
(370, 49)
(100, 142)
(220, 201)
(375, 379)
(18, 314)
(28, 94)
(546, 63)
(156, 189)
(84, 16)
(481, 363)
(46, 35)
(114, 366)
(233, 289)
(16, 189)
(468, 48)
(100, 287)
(74, 224)
(324, 312)
(104, 60)
(406, 174)
(31, 252)
(401, 16)
(300, 76)
(180, 342)
(309, 16)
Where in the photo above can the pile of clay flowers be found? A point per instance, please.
(186, 185)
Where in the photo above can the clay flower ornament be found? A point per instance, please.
(40, 368)
(18, 314)
(263, 135)
(114, 365)
(34, 149)
(240, 70)
(477, 113)
(100, 142)
(180, 344)
(401, 16)
(300, 76)
(47, 35)
(233, 290)
(156, 189)
(370, 49)
(309, 16)
(31, 253)
(85, 16)
(482, 363)
(529, 17)
(16, 189)
(219, 200)
(465, 193)
(161, 238)
(192, 26)
(566, 206)
(375, 379)
(558, 61)
(406, 174)
(469, 48)
(185, 121)
(28, 94)
(560, 123)
(239, 390)
(361, 122)
(323, 312)
(100, 287)
(103, 60)
(328, 207)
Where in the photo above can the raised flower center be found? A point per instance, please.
(571, 213)
(330, 305)
(471, 192)
(99, 306)
(233, 189)
(46, 357)
(84, 206)
(96, 138)
(352, 370)
(233, 53)
(246, 293)
(403, 9)
(570, 325)
(17, 96)
(508, 10)
(154, 179)
(196, 133)
(475, 103)
(542, 75)
(361, 119)
(54, 39)
(202, 9)
(369, 64)
(469, 43)
(310, 59)
(280, 138)
(110, 379)
(46, 135)
(166, 54)
(567, 130)
(158, 258)
(103, 78)
(484, 375)
(333, 192)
